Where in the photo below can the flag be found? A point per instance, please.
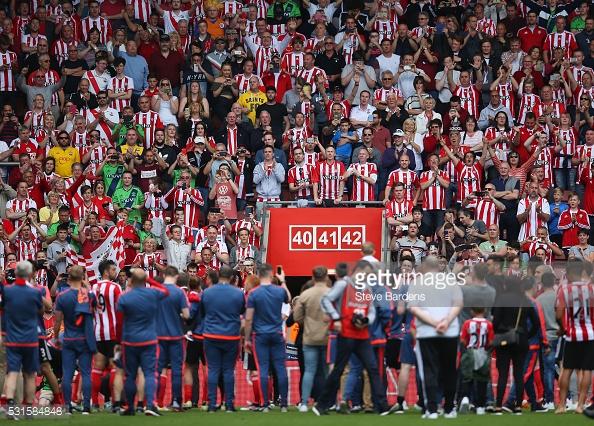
(112, 248)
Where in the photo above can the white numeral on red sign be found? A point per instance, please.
(326, 237)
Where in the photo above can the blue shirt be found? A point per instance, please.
(139, 305)
(554, 218)
(267, 301)
(221, 306)
(136, 68)
(347, 148)
(21, 303)
(169, 323)
(196, 319)
(66, 302)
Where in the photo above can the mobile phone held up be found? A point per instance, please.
(279, 269)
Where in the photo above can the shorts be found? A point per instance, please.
(393, 353)
(105, 348)
(46, 394)
(249, 363)
(195, 352)
(26, 357)
(44, 352)
(407, 352)
(578, 355)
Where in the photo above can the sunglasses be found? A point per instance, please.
(164, 84)
(101, 97)
(367, 134)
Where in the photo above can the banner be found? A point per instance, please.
(112, 248)
(300, 239)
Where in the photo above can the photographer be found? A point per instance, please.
(58, 251)
(224, 192)
(127, 122)
(485, 206)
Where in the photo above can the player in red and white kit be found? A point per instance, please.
(328, 186)
(574, 311)
(409, 178)
(107, 292)
(183, 195)
(469, 174)
(364, 176)
(300, 176)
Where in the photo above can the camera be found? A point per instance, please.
(249, 210)
(359, 320)
(309, 140)
(10, 275)
(41, 264)
(241, 151)
(463, 247)
(573, 60)
(479, 193)
(183, 186)
(223, 154)
(406, 67)
(128, 119)
(114, 157)
(10, 116)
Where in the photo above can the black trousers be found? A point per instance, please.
(508, 220)
(506, 355)
(436, 363)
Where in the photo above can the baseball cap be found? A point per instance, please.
(248, 262)
(337, 89)
(219, 39)
(398, 132)
(164, 37)
(275, 55)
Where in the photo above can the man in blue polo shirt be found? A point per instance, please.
(221, 308)
(171, 334)
(139, 337)
(266, 342)
(75, 308)
(21, 303)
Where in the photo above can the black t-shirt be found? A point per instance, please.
(71, 85)
(277, 112)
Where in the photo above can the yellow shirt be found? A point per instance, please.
(252, 101)
(137, 149)
(44, 214)
(65, 157)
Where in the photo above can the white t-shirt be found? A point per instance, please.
(362, 115)
(167, 117)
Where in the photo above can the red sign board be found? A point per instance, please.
(300, 239)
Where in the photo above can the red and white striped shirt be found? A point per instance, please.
(579, 91)
(312, 43)
(328, 177)
(7, 83)
(232, 140)
(386, 29)
(580, 151)
(469, 179)
(533, 220)
(20, 206)
(75, 24)
(484, 210)
(147, 262)
(107, 294)
(410, 180)
(276, 30)
(486, 26)
(36, 124)
(190, 202)
(155, 206)
(142, 9)
(477, 332)
(312, 158)
(396, 209)
(564, 40)
(559, 95)
(531, 248)
(253, 238)
(262, 57)
(528, 103)
(363, 191)
(243, 252)
(31, 41)
(120, 85)
(243, 82)
(60, 49)
(545, 160)
(25, 250)
(578, 73)
(508, 99)
(298, 140)
(435, 195)
(501, 148)
(570, 137)
(301, 174)
(292, 62)
(469, 97)
(240, 180)
(100, 23)
(578, 300)
(222, 248)
(310, 77)
(221, 234)
(418, 31)
(380, 94)
(187, 233)
(82, 142)
(150, 121)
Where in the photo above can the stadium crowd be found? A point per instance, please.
(167, 127)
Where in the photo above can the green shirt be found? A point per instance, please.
(487, 247)
(112, 176)
(177, 173)
(290, 10)
(124, 129)
(127, 199)
(53, 229)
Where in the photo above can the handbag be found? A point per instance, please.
(511, 337)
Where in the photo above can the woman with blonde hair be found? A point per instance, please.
(120, 37)
(413, 140)
(175, 42)
(49, 213)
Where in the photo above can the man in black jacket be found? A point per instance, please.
(232, 135)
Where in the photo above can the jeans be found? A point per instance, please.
(549, 372)
(353, 387)
(204, 192)
(362, 348)
(314, 356)
(344, 159)
(565, 178)
(433, 219)
(453, 188)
